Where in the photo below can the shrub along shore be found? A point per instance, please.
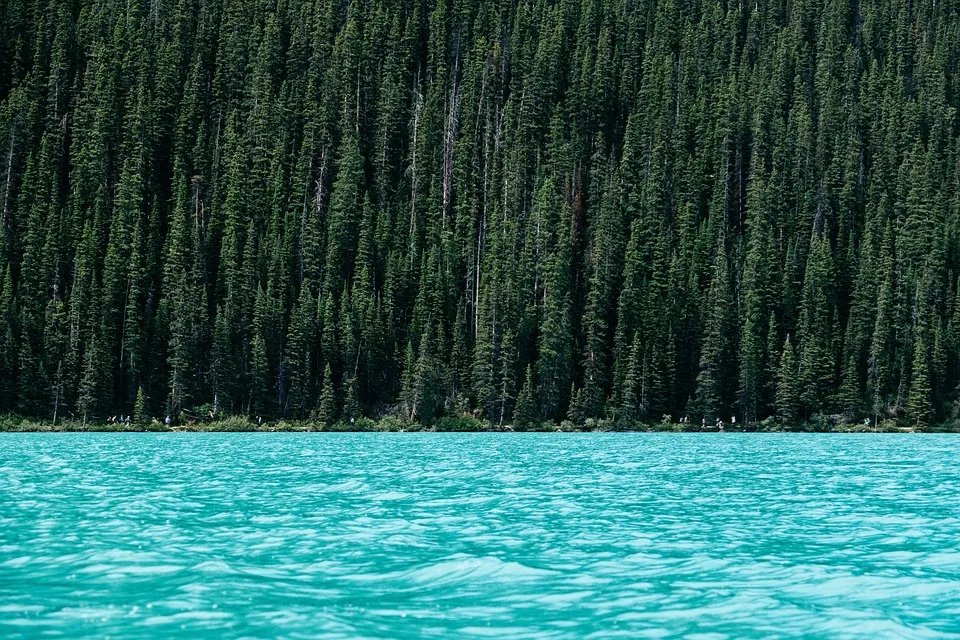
(13, 423)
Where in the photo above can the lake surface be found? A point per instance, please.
(479, 535)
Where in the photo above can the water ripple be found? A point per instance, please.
(479, 536)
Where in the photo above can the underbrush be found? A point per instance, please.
(454, 424)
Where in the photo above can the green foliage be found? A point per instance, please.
(525, 414)
(788, 387)
(341, 210)
(231, 423)
(396, 424)
(141, 414)
(460, 423)
(327, 406)
(711, 395)
(919, 407)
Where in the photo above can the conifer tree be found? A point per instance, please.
(710, 397)
(788, 387)
(327, 404)
(141, 414)
(555, 353)
(753, 341)
(919, 401)
(525, 412)
(816, 348)
(297, 359)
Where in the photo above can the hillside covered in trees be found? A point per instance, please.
(515, 209)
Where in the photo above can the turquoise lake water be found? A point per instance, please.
(479, 535)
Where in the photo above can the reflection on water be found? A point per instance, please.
(479, 535)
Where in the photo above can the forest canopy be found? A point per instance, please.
(521, 210)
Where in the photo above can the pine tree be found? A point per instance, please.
(352, 409)
(141, 414)
(525, 414)
(555, 347)
(753, 341)
(327, 404)
(788, 387)
(259, 402)
(816, 348)
(919, 402)
(710, 397)
(87, 400)
(297, 354)
(576, 413)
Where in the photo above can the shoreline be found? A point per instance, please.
(235, 425)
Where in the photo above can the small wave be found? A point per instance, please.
(16, 563)
(348, 486)
(469, 568)
(389, 496)
(186, 616)
(272, 519)
(214, 567)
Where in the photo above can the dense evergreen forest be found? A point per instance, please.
(519, 210)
